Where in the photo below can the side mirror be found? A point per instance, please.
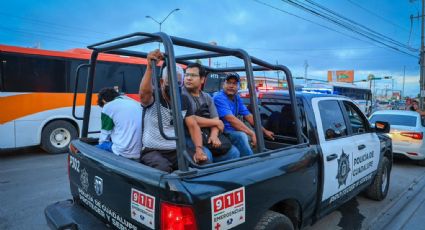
(382, 127)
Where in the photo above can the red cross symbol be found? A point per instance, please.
(217, 226)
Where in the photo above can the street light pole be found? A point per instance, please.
(162, 21)
(392, 84)
(404, 79)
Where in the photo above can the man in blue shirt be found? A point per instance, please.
(229, 106)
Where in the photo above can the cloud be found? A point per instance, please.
(240, 18)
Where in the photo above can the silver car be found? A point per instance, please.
(407, 132)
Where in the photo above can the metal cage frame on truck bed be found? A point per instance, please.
(118, 45)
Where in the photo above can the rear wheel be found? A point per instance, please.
(57, 135)
(274, 221)
(378, 190)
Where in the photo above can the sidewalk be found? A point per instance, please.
(408, 212)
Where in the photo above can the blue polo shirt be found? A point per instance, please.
(225, 106)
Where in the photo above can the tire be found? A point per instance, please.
(378, 190)
(57, 135)
(274, 221)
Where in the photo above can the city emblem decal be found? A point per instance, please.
(98, 185)
(343, 169)
(84, 179)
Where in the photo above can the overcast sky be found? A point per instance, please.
(269, 29)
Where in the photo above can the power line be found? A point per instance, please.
(319, 49)
(367, 30)
(345, 25)
(377, 15)
(42, 35)
(305, 19)
(44, 32)
(60, 26)
(329, 28)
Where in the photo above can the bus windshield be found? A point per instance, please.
(214, 82)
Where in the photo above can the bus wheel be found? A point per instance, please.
(57, 135)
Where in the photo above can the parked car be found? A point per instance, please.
(401, 105)
(383, 105)
(407, 131)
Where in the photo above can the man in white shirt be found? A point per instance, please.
(121, 129)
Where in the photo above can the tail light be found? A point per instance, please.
(177, 217)
(413, 135)
(261, 95)
(73, 149)
(244, 95)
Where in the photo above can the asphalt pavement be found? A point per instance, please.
(31, 180)
(405, 213)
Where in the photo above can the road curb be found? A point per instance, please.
(397, 213)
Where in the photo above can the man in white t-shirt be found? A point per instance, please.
(121, 129)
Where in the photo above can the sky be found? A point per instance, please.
(273, 30)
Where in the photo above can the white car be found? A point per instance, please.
(383, 105)
(407, 132)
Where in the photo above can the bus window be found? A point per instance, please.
(33, 74)
(81, 88)
(214, 83)
(126, 77)
(132, 77)
(2, 63)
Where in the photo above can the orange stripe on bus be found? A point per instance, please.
(22, 105)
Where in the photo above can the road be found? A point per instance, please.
(29, 181)
(32, 179)
(360, 212)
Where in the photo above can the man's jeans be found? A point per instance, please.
(107, 145)
(240, 140)
(231, 154)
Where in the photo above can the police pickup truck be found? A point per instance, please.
(324, 153)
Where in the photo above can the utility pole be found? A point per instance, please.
(421, 59)
(305, 71)
(404, 79)
(277, 73)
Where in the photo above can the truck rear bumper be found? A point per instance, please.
(68, 215)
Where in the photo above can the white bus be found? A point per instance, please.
(36, 94)
(361, 96)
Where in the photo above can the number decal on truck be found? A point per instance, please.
(143, 208)
(228, 209)
(74, 163)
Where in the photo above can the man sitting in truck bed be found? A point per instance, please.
(194, 78)
(121, 127)
(229, 107)
(158, 152)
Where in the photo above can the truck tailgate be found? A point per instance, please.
(121, 192)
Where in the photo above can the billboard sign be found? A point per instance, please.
(341, 76)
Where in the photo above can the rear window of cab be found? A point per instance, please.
(395, 119)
